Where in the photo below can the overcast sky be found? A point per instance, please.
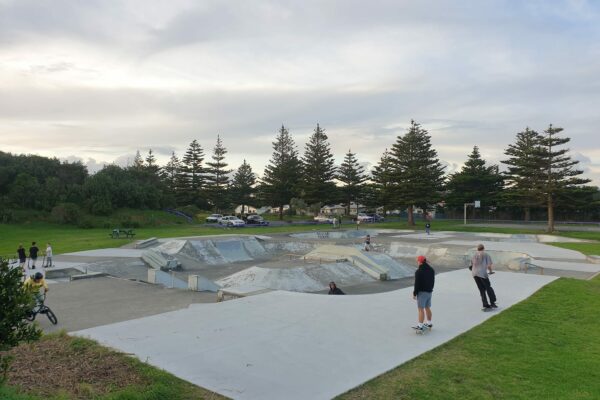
(97, 80)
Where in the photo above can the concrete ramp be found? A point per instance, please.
(232, 250)
(378, 265)
(304, 278)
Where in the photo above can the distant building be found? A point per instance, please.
(336, 209)
(247, 209)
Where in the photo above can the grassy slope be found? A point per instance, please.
(81, 363)
(547, 347)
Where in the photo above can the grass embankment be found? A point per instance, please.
(63, 367)
(547, 347)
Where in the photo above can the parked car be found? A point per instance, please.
(322, 219)
(256, 220)
(376, 217)
(212, 218)
(231, 220)
(362, 218)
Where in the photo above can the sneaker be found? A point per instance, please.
(493, 305)
(418, 328)
(429, 326)
(487, 308)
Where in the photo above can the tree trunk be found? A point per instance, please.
(550, 228)
(281, 212)
(527, 214)
(411, 220)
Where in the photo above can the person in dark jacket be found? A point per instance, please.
(22, 257)
(333, 289)
(33, 254)
(424, 281)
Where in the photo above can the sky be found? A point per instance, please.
(97, 80)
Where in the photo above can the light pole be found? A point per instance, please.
(476, 204)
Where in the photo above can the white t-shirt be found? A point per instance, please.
(49, 251)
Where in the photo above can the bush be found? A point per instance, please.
(16, 302)
(66, 213)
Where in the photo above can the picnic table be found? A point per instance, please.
(121, 233)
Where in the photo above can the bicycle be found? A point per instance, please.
(42, 308)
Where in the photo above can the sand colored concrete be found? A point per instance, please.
(284, 345)
(536, 250)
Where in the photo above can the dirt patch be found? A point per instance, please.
(79, 367)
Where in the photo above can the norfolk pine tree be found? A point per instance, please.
(383, 181)
(217, 178)
(475, 181)
(418, 174)
(558, 170)
(283, 173)
(242, 185)
(318, 170)
(524, 175)
(352, 175)
(192, 178)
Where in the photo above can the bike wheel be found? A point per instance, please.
(51, 316)
(30, 316)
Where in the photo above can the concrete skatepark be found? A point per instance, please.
(278, 340)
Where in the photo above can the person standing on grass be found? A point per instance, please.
(422, 292)
(48, 255)
(481, 267)
(33, 254)
(22, 256)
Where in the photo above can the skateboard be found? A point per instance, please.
(489, 309)
(420, 331)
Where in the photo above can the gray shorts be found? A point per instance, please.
(424, 299)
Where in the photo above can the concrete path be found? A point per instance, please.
(284, 345)
(99, 301)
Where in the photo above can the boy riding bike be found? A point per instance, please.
(35, 283)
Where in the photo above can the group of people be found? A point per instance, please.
(481, 267)
(34, 252)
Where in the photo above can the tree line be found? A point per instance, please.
(540, 174)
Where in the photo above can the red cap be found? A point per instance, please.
(421, 259)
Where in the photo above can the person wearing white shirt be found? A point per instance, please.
(48, 255)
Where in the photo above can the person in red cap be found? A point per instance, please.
(424, 281)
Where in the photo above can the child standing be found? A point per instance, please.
(424, 282)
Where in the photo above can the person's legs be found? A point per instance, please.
(421, 315)
(488, 288)
(481, 287)
(33, 260)
(428, 312)
(48, 262)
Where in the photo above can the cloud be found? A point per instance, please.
(102, 80)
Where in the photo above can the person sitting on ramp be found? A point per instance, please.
(333, 289)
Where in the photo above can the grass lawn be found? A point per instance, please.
(546, 347)
(65, 238)
(61, 367)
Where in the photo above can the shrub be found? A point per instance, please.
(16, 302)
(66, 213)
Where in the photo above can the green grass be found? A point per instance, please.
(65, 238)
(537, 349)
(585, 248)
